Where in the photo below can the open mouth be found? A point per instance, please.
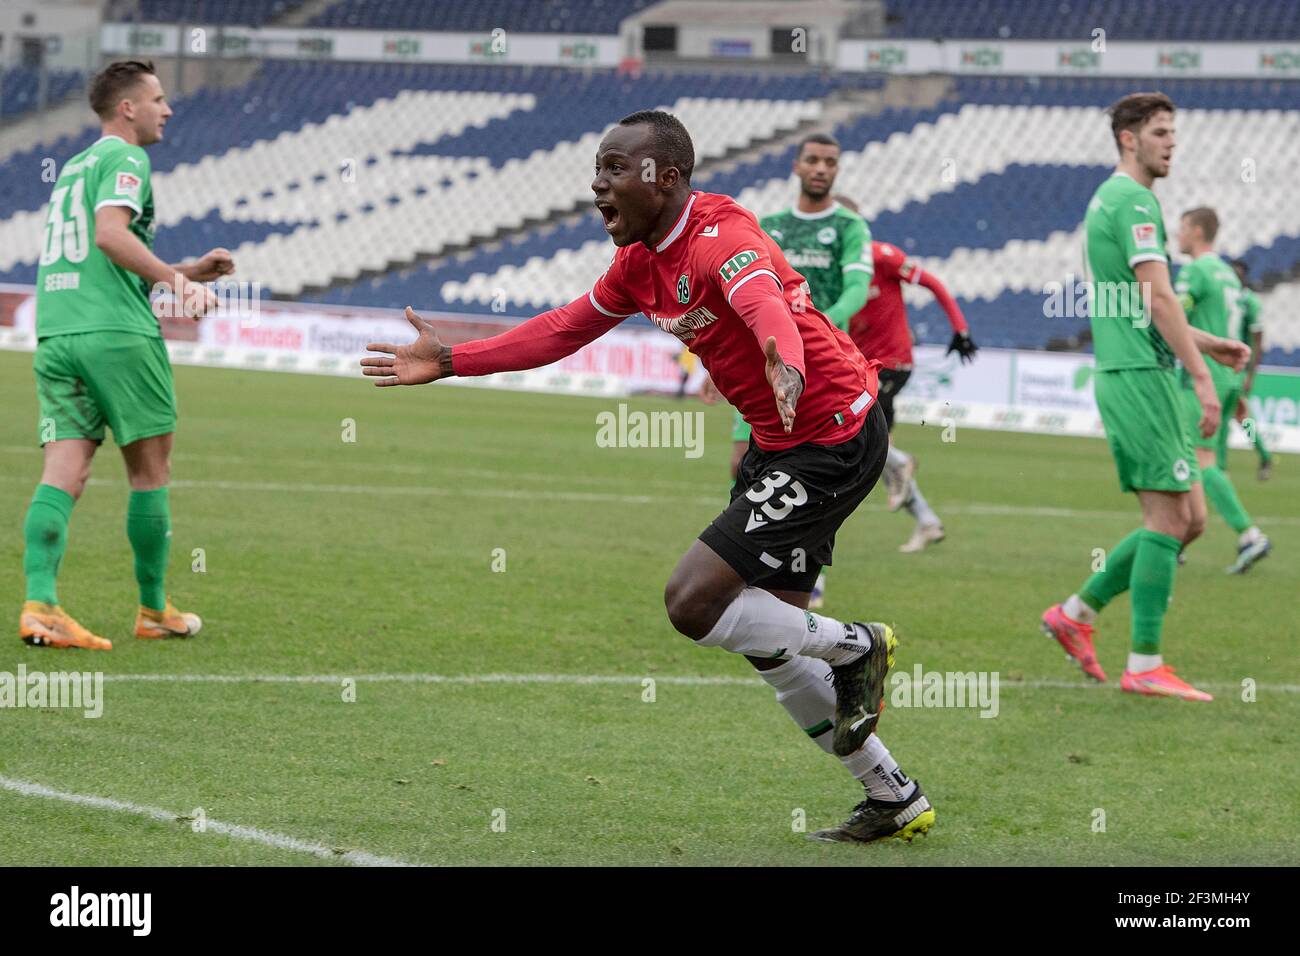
(608, 212)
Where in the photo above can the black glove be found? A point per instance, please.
(963, 346)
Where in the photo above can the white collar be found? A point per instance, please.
(794, 211)
(108, 136)
(677, 229)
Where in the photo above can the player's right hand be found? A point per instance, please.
(1243, 409)
(193, 298)
(418, 363)
(1211, 410)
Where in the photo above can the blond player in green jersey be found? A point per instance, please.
(100, 358)
(1138, 328)
(1214, 300)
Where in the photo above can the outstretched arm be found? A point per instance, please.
(541, 340)
(961, 341)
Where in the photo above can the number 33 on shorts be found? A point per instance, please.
(792, 496)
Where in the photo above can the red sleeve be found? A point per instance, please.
(762, 306)
(885, 260)
(948, 303)
(543, 339)
(609, 294)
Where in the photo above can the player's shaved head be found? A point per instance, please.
(116, 82)
(1134, 112)
(1206, 219)
(817, 139)
(643, 170)
(669, 144)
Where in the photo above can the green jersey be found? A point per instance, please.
(78, 288)
(1211, 296)
(1250, 323)
(822, 247)
(1123, 227)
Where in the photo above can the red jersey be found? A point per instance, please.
(686, 285)
(880, 330)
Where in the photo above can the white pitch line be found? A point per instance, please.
(976, 509)
(682, 680)
(26, 788)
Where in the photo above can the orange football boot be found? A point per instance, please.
(48, 625)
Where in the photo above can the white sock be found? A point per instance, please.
(879, 772)
(1076, 610)
(897, 458)
(1250, 536)
(803, 687)
(1137, 663)
(760, 624)
(920, 508)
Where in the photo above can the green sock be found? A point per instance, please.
(1153, 582)
(45, 536)
(1265, 456)
(1223, 495)
(149, 528)
(1104, 586)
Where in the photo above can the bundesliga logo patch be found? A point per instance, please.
(128, 185)
(1144, 235)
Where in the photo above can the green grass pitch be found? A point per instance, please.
(375, 557)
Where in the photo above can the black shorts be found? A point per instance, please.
(786, 506)
(892, 381)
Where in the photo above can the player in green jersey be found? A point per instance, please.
(1138, 328)
(1252, 333)
(1211, 295)
(830, 246)
(100, 358)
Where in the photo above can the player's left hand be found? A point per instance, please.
(1243, 409)
(213, 264)
(787, 383)
(1230, 352)
(961, 344)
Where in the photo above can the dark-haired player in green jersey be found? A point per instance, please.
(1211, 295)
(1252, 333)
(830, 246)
(1138, 328)
(100, 358)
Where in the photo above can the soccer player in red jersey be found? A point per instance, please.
(699, 267)
(881, 331)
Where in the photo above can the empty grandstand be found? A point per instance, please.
(461, 186)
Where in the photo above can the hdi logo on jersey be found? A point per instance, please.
(731, 268)
(1144, 235)
(128, 185)
(683, 289)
